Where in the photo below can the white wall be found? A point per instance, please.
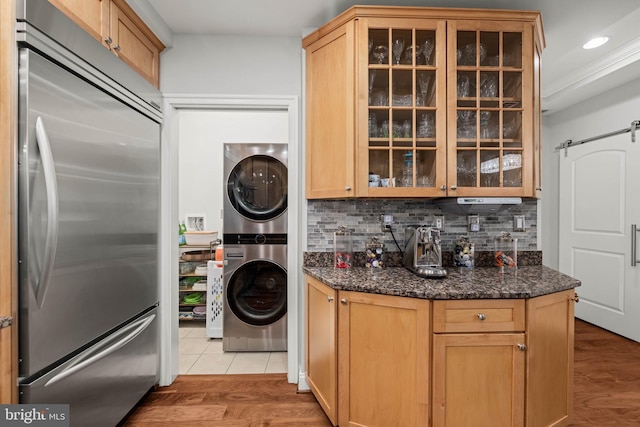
(206, 64)
(601, 114)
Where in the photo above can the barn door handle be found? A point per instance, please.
(634, 237)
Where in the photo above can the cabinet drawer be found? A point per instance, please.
(478, 315)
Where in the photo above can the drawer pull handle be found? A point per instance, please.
(343, 300)
(329, 299)
(481, 316)
(522, 347)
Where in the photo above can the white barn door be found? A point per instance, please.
(599, 202)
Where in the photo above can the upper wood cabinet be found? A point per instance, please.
(430, 102)
(114, 24)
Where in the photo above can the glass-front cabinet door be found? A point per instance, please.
(402, 82)
(490, 99)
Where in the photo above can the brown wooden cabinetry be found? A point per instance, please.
(383, 360)
(429, 102)
(479, 371)
(374, 370)
(322, 348)
(550, 341)
(504, 362)
(114, 24)
(493, 362)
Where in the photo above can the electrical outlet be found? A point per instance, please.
(385, 222)
(438, 222)
(518, 223)
(473, 222)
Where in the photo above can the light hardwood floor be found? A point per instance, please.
(607, 393)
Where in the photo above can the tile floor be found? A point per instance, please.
(198, 354)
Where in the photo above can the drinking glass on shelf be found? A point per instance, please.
(463, 86)
(427, 49)
(384, 129)
(380, 54)
(397, 48)
(425, 126)
(423, 85)
(406, 129)
(372, 78)
(488, 86)
(373, 125)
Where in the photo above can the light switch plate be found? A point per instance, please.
(473, 223)
(438, 222)
(518, 223)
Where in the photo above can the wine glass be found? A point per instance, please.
(380, 53)
(397, 48)
(423, 84)
(372, 78)
(427, 50)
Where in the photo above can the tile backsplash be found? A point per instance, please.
(362, 217)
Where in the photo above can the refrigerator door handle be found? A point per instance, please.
(82, 362)
(40, 287)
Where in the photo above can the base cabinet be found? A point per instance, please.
(550, 342)
(478, 380)
(322, 356)
(381, 360)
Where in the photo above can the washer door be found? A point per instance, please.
(257, 293)
(257, 188)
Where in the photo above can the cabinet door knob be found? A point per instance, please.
(117, 48)
(343, 300)
(481, 316)
(443, 187)
(576, 297)
(522, 347)
(329, 299)
(108, 40)
(454, 187)
(347, 188)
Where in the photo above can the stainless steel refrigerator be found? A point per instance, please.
(88, 222)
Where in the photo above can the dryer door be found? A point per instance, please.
(257, 292)
(257, 188)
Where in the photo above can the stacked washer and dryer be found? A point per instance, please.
(255, 247)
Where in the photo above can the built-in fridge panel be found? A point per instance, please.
(89, 176)
(100, 397)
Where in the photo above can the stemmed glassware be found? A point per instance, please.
(397, 48)
(380, 53)
(423, 85)
(372, 78)
(427, 50)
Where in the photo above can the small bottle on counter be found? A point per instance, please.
(342, 248)
(463, 253)
(506, 252)
(374, 253)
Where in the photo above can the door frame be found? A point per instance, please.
(169, 217)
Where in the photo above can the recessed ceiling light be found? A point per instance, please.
(595, 42)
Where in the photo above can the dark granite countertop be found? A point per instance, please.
(460, 283)
(5, 321)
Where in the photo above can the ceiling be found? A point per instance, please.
(570, 74)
